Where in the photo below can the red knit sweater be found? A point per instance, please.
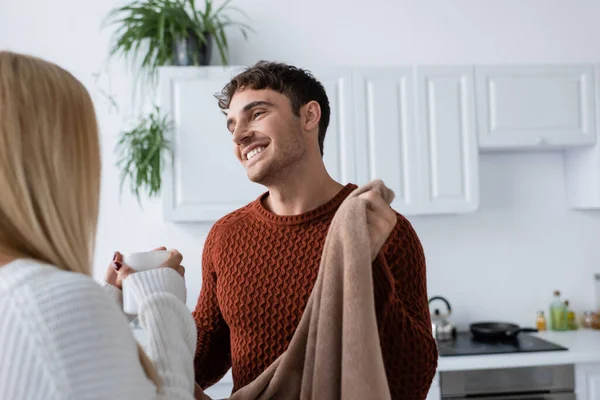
(258, 270)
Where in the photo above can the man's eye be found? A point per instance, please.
(257, 114)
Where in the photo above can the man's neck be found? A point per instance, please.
(301, 192)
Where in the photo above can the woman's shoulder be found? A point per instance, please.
(55, 296)
(72, 328)
(37, 278)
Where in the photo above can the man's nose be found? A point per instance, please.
(241, 134)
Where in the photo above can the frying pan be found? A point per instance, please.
(497, 330)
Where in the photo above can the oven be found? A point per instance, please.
(555, 382)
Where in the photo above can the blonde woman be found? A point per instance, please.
(62, 336)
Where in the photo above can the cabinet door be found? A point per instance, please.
(535, 106)
(446, 138)
(386, 145)
(587, 381)
(339, 140)
(582, 168)
(206, 181)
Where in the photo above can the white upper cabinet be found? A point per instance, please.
(528, 106)
(582, 170)
(206, 181)
(418, 128)
(386, 140)
(447, 142)
(415, 130)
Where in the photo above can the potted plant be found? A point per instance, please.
(153, 33)
(142, 151)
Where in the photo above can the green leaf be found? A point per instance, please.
(141, 151)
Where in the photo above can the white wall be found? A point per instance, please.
(500, 263)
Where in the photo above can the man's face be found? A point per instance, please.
(267, 135)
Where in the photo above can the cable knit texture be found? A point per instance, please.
(258, 272)
(63, 337)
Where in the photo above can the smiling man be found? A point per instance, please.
(260, 262)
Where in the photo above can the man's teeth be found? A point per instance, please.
(254, 152)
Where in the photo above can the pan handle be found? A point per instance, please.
(526, 330)
(512, 333)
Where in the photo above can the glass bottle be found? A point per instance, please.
(571, 318)
(558, 315)
(588, 319)
(540, 322)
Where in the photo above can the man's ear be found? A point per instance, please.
(311, 115)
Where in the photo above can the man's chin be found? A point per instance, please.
(256, 176)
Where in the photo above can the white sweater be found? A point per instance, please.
(62, 337)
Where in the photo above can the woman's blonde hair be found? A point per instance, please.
(49, 167)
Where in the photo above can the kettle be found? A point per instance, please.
(441, 326)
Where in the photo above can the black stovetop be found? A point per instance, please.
(465, 345)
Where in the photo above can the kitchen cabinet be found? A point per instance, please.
(535, 106)
(582, 169)
(419, 128)
(587, 381)
(447, 140)
(582, 177)
(411, 127)
(386, 140)
(415, 129)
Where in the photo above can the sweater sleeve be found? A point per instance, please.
(82, 346)
(213, 352)
(409, 349)
(117, 296)
(114, 292)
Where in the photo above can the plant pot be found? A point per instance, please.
(191, 50)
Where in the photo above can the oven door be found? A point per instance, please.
(532, 383)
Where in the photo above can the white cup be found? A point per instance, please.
(142, 261)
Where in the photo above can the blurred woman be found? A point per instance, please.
(62, 336)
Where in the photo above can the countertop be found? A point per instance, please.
(583, 347)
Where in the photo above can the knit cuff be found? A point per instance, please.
(160, 280)
(383, 285)
(113, 291)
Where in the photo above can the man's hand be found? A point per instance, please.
(381, 219)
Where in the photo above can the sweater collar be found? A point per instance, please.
(330, 207)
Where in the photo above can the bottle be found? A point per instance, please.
(540, 321)
(588, 319)
(558, 315)
(571, 319)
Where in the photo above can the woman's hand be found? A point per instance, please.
(117, 271)
(174, 261)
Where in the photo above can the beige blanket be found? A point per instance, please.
(335, 352)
